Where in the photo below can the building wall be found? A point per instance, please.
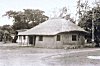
(23, 41)
(51, 42)
(67, 40)
(48, 42)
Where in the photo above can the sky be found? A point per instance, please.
(49, 6)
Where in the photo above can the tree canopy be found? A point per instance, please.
(86, 22)
(27, 18)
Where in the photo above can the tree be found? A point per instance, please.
(82, 8)
(86, 23)
(5, 32)
(64, 14)
(6, 27)
(27, 18)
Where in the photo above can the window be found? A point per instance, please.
(58, 38)
(40, 38)
(74, 38)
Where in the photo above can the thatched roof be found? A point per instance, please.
(53, 27)
(21, 30)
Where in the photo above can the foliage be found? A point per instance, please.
(27, 18)
(6, 27)
(64, 14)
(86, 22)
(82, 8)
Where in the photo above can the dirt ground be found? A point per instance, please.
(25, 56)
(14, 55)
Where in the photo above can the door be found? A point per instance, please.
(34, 40)
(31, 39)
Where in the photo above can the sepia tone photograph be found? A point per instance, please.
(49, 33)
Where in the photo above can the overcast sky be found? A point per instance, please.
(46, 5)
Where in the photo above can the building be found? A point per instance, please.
(55, 33)
(1, 35)
(21, 39)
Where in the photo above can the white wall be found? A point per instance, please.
(21, 40)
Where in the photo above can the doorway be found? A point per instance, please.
(32, 40)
